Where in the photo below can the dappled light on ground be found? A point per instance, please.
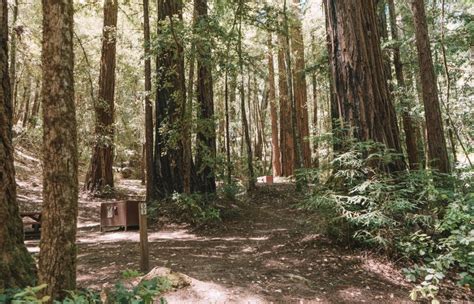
(268, 253)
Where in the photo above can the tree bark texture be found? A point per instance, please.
(286, 133)
(12, 70)
(276, 162)
(17, 268)
(170, 100)
(206, 128)
(359, 79)
(57, 260)
(299, 84)
(437, 152)
(100, 171)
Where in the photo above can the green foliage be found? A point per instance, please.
(130, 273)
(27, 295)
(143, 293)
(230, 191)
(195, 208)
(406, 214)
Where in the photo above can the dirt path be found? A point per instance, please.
(266, 253)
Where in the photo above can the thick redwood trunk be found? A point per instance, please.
(206, 130)
(408, 125)
(287, 144)
(100, 173)
(360, 83)
(17, 268)
(57, 260)
(437, 152)
(276, 163)
(170, 101)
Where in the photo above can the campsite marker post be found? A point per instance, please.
(144, 254)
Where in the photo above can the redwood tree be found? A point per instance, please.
(57, 259)
(287, 144)
(360, 83)
(299, 84)
(170, 100)
(100, 172)
(17, 268)
(437, 152)
(206, 133)
(276, 163)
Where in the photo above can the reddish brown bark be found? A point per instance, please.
(437, 152)
(276, 163)
(100, 173)
(299, 84)
(360, 83)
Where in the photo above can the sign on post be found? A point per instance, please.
(144, 255)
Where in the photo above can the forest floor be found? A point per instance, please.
(266, 252)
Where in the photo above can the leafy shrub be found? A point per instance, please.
(27, 295)
(195, 208)
(143, 293)
(229, 191)
(406, 214)
(130, 273)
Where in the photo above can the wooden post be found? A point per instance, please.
(144, 254)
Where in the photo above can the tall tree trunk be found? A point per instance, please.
(36, 104)
(14, 34)
(248, 142)
(150, 186)
(26, 100)
(408, 125)
(206, 133)
(276, 163)
(315, 109)
(437, 152)
(57, 260)
(170, 103)
(286, 134)
(227, 127)
(300, 88)
(358, 72)
(17, 268)
(100, 172)
(259, 119)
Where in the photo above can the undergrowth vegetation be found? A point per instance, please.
(145, 292)
(421, 216)
(197, 209)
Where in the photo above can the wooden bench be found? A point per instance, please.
(32, 219)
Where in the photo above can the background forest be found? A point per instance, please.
(365, 106)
